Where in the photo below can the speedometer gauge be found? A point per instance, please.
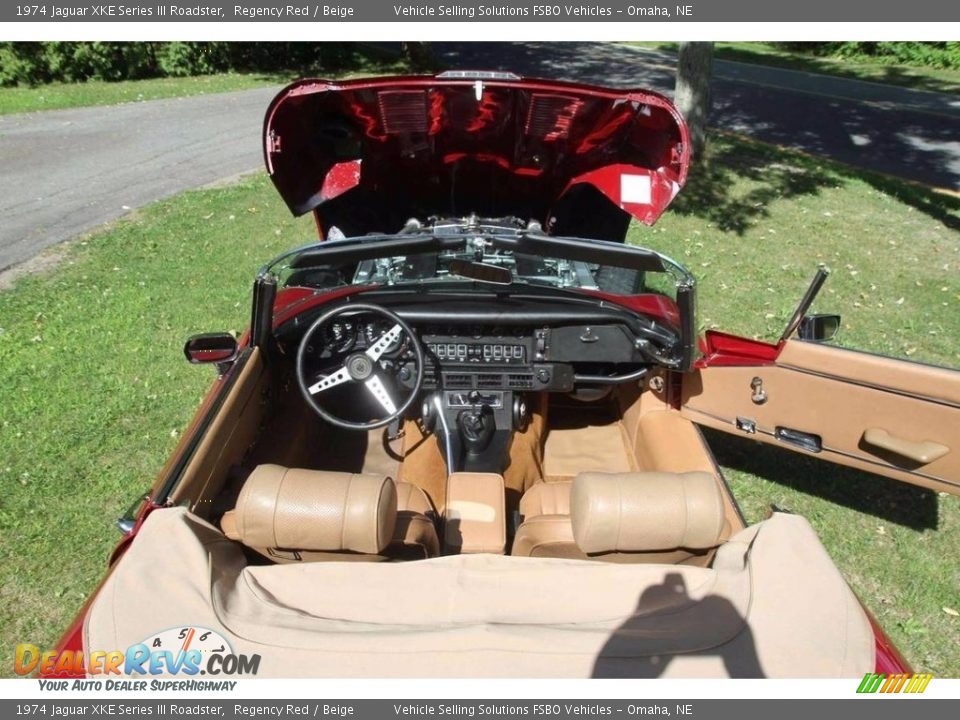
(339, 336)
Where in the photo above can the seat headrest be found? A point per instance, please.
(646, 511)
(314, 510)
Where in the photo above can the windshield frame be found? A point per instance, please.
(521, 242)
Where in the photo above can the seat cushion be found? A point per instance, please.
(415, 535)
(546, 498)
(547, 536)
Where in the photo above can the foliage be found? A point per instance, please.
(923, 54)
(35, 63)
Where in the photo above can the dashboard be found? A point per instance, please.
(475, 358)
(507, 343)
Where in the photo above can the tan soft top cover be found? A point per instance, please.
(772, 605)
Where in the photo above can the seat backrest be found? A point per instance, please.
(315, 511)
(646, 512)
(623, 517)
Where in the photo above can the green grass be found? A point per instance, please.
(95, 390)
(855, 68)
(56, 96)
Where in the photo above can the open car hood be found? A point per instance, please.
(368, 154)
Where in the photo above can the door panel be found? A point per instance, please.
(886, 416)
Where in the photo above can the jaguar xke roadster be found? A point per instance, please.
(461, 434)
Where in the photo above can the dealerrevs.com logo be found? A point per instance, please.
(912, 683)
(187, 650)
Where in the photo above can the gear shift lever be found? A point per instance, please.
(476, 428)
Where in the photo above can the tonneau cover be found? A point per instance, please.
(773, 605)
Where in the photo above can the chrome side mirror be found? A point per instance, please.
(819, 328)
(219, 348)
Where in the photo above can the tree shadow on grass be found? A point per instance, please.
(776, 175)
(779, 174)
(891, 500)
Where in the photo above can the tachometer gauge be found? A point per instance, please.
(374, 330)
(339, 336)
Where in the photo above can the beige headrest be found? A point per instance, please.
(645, 512)
(313, 510)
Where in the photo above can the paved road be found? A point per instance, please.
(64, 172)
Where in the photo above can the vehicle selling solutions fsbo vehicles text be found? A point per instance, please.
(542, 11)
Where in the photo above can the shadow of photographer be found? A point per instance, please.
(624, 654)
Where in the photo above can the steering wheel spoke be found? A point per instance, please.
(375, 351)
(325, 383)
(379, 391)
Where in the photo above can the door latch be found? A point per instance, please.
(759, 395)
(747, 425)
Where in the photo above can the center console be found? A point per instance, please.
(474, 516)
(476, 380)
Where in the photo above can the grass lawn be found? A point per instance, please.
(96, 391)
(857, 68)
(55, 96)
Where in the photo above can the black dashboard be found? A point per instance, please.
(529, 343)
(472, 360)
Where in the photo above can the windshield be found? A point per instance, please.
(439, 254)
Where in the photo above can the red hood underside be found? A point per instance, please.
(407, 147)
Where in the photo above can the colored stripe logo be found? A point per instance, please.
(896, 683)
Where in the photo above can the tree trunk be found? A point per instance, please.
(692, 95)
(419, 55)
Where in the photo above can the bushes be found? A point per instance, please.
(35, 63)
(921, 54)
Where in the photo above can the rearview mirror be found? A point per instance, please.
(819, 328)
(484, 272)
(210, 348)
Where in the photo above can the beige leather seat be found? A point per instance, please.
(291, 515)
(623, 517)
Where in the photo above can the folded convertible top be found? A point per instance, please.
(773, 604)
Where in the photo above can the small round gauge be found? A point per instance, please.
(188, 637)
(373, 331)
(339, 336)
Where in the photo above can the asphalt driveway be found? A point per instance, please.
(66, 171)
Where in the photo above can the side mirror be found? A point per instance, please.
(219, 348)
(819, 328)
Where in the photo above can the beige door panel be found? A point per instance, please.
(885, 416)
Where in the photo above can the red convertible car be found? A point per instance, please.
(460, 437)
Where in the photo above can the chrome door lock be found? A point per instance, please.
(759, 395)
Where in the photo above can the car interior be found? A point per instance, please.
(511, 456)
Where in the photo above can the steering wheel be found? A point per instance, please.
(372, 368)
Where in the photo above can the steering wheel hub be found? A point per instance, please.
(359, 366)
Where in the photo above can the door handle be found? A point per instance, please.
(923, 452)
